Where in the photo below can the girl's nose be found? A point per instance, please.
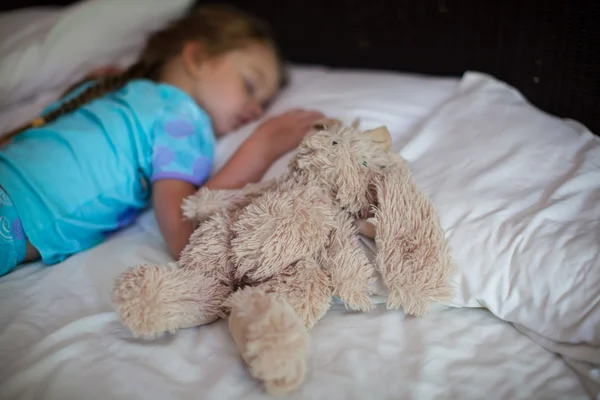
(255, 110)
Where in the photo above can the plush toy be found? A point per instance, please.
(270, 257)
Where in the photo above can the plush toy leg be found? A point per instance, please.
(269, 322)
(351, 272)
(412, 252)
(271, 338)
(152, 300)
(206, 202)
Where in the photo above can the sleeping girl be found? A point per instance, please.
(98, 156)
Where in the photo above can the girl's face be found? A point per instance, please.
(235, 87)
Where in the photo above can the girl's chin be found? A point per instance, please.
(224, 130)
(220, 132)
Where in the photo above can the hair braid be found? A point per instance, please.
(103, 86)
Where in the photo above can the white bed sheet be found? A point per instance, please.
(59, 338)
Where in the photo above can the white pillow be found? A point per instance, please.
(518, 191)
(63, 46)
(399, 100)
(18, 26)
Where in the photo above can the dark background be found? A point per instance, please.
(548, 49)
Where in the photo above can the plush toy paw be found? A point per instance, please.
(416, 301)
(288, 384)
(151, 300)
(271, 337)
(413, 304)
(356, 297)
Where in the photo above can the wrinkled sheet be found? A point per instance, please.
(60, 340)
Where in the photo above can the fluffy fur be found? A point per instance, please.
(272, 255)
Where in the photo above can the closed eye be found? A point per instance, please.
(249, 87)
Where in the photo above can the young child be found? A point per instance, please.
(95, 158)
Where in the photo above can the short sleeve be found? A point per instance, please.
(182, 148)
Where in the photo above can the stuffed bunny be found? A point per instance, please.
(271, 256)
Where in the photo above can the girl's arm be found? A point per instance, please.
(275, 137)
(247, 165)
(167, 196)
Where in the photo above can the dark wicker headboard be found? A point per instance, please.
(548, 49)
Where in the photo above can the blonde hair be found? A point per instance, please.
(220, 28)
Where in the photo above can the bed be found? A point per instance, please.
(514, 174)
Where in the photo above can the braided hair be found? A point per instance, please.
(220, 29)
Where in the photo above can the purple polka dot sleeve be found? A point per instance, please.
(180, 151)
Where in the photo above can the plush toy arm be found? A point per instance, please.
(351, 272)
(206, 202)
(412, 253)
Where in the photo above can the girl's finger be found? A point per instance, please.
(303, 112)
(312, 117)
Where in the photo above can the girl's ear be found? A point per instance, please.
(192, 55)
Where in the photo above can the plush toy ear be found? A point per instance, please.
(412, 252)
(381, 137)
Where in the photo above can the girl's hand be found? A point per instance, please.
(284, 132)
(273, 138)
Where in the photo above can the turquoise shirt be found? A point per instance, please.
(89, 172)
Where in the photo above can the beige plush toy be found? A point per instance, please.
(270, 257)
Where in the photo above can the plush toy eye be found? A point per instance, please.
(334, 143)
(365, 163)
